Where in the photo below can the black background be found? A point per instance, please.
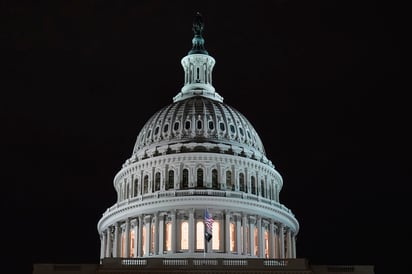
(321, 81)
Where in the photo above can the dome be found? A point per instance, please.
(198, 183)
(199, 122)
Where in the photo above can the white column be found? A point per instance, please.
(174, 225)
(245, 236)
(156, 234)
(289, 243)
(260, 244)
(271, 239)
(191, 230)
(294, 246)
(139, 236)
(161, 233)
(116, 241)
(102, 244)
(136, 238)
(238, 234)
(281, 241)
(227, 231)
(276, 242)
(252, 235)
(148, 240)
(127, 239)
(108, 242)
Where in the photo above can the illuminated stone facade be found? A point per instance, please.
(193, 154)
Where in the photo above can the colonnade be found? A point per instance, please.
(182, 231)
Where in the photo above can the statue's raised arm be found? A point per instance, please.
(198, 24)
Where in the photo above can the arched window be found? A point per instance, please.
(157, 181)
(253, 185)
(184, 236)
(200, 237)
(228, 180)
(222, 126)
(146, 184)
(165, 128)
(187, 125)
(185, 179)
(241, 182)
(211, 125)
(171, 180)
(215, 183)
(262, 188)
(199, 177)
(136, 187)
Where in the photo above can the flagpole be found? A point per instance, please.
(204, 237)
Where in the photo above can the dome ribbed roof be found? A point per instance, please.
(198, 119)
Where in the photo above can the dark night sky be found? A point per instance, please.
(321, 81)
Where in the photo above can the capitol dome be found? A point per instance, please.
(201, 123)
(198, 183)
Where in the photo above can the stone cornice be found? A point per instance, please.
(132, 208)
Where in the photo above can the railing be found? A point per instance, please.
(200, 192)
(212, 263)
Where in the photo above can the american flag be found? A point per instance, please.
(208, 225)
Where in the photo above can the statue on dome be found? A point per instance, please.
(198, 24)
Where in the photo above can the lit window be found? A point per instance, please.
(184, 237)
(132, 240)
(168, 235)
(266, 243)
(216, 236)
(256, 241)
(200, 237)
(123, 250)
(144, 240)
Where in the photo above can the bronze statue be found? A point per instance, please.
(198, 24)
